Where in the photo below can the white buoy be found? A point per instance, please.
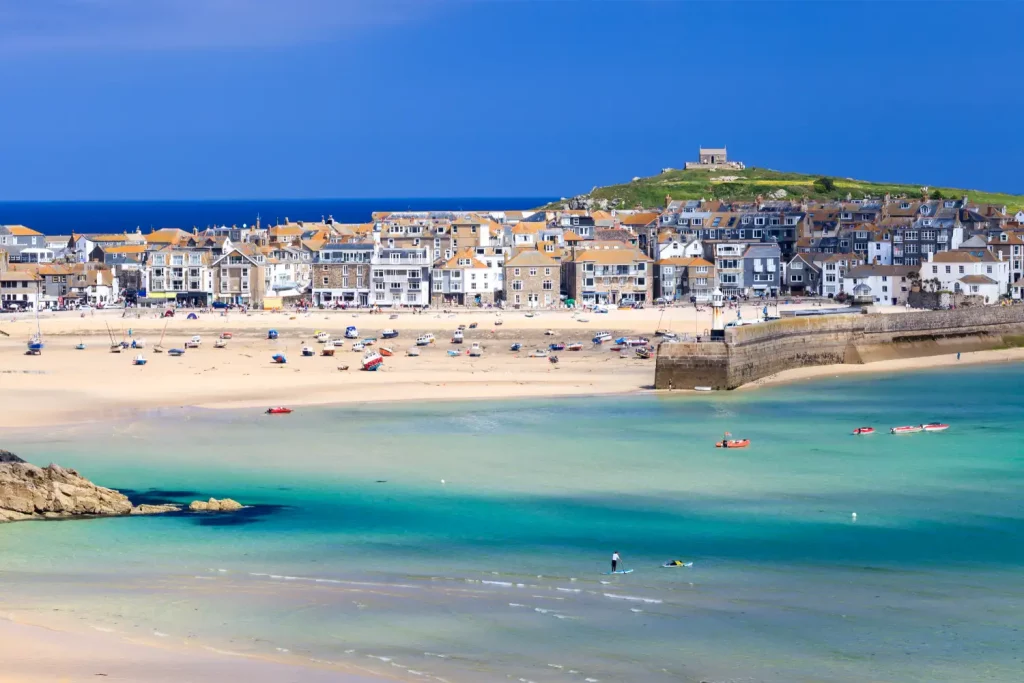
(442, 481)
(854, 516)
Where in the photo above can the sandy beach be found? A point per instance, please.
(69, 385)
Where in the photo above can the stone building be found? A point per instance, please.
(609, 274)
(531, 279)
(341, 274)
(714, 159)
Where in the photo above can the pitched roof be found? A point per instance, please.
(684, 261)
(530, 257)
(467, 253)
(961, 256)
(21, 230)
(978, 280)
(612, 255)
(639, 219)
(889, 271)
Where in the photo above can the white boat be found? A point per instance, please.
(935, 427)
(322, 337)
(425, 339)
(457, 337)
(602, 337)
(220, 344)
(327, 350)
(702, 388)
(475, 350)
(358, 346)
(538, 353)
(139, 360)
(308, 351)
(906, 430)
(372, 361)
(351, 332)
(194, 342)
(413, 351)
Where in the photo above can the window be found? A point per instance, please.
(702, 269)
(796, 278)
(588, 282)
(379, 286)
(641, 267)
(325, 281)
(517, 285)
(960, 269)
(988, 269)
(796, 265)
(548, 284)
(728, 279)
(588, 267)
(641, 282)
(533, 272)
(756, 234)
(759, 220)
(667, 270)
(935, 269)
(547, 271)
(515, 271)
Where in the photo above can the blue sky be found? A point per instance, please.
(176, 99)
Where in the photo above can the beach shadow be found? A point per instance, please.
(160, 496)
(246, 516)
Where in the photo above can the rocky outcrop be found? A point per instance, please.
(154, 509)
(214, 505)
(30, 492)
(53, 492)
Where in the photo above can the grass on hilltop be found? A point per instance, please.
(747, 184)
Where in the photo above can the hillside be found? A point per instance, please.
(751, 182)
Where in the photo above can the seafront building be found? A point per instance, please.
(680, 251)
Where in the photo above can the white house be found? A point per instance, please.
(888, 285)
(400, 277)
(976, 272)
(679, 248)
(880, 248)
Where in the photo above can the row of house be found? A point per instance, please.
(682, 251)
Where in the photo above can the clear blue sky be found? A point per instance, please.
(139, 99)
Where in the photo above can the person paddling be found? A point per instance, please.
(615, 561)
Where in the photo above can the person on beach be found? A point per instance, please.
(615, 560)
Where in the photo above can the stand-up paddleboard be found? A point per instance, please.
(684, 565)
(619, 571)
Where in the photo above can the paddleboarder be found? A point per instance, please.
(615, 561)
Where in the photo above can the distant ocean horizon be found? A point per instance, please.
(65, 217)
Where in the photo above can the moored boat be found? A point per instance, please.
(372, 361)
(220, 343)
(225, 335)
(351, 332)
(80, 346)
(425, 339)
(452, 353)
(602, 337)
(863, 430)
(386, 351)
(272, 334)
(516, 347)
(279, 410)
(575, 346)
(413, 351)
(358, 346)
(389, 334)
(457, 337)
(172, 352)
(328, 349)
(935, 427)
(475, 350)
(139, 360)
(732, 443)
(643, 352)
(308, 351)
(279, 358)
(194, 342)
(906, 430)
(557, 346)
(538, 353)
(322, 337)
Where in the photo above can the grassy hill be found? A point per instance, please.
(751, 182)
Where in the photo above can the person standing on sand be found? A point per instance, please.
(615, 560)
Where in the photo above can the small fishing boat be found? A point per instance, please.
(602, 337)
(368, 341)
(475, 350)
(557, 346)
(322, 337)
(549, 333)
(80, 346)
(413, 352)
(702, 389)
(386, 351)
(906, 430)
(457, 337)
(516, 347)
(461, 327)
(935, 427)
(351, 332)
(226, 335)
(530, 314)
(220, 344)
(538, 353)
(389, 334)
(138, 343)
(732, 443)
(139, 360)
(616, 347)
(863, 430)
(643, 352)
(372, 361)
(453, 353)
(193, 343)
(473, 326)
(499, 321)
(279, 358)
(553, 359)
(328, 349)
(280, 410)
(308, 351)
(172, 352)
(425, 339)
(575, 346)
(343, 368)
(272, 334)
(358, 346)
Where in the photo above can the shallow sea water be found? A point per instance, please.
(354, 551)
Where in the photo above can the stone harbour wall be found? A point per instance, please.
(752, 352)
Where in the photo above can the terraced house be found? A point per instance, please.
(341, 274)
(681, 278)
(179, 275)
(238, 277)
(531, 279)
(401, 277)
(609, 273)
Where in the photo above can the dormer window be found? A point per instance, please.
(904, 205)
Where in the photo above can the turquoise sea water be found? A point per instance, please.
(356, 552)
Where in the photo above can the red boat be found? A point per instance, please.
(935, 427)
(908, 429)
(864, 430)
(280, 410)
